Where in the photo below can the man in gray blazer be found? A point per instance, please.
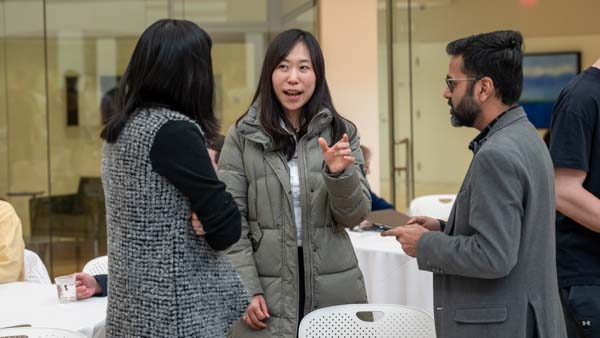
(494, 261)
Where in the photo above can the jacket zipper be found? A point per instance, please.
(304, 201)
(293, 217)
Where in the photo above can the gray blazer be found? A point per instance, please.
(494, 264)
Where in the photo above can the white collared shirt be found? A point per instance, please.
(295, 185)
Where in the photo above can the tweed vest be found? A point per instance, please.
(163, 280)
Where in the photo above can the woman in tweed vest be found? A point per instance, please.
(165, 280)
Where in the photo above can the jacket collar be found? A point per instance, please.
(250, 128)
(508, 117)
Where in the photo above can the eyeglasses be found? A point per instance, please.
(450, 82)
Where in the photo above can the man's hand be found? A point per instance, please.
(256, 313)
(87, 286)
(408, 236)
(428, 223)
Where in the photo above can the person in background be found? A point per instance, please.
(12, 247)
(214, 149)
(108, 105)
(293, 165)
(164, 280)
(377, 203)
(494, 262)
(575, 151)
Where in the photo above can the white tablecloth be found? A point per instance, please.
(37, 305)
(391, 276)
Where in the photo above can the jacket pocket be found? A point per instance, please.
(481, 314)
(255, 235)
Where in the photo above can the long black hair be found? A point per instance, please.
(271, 112)
(171, 67)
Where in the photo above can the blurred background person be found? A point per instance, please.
(12, 247)
(293, 165)
(108, 105)
(377, 203)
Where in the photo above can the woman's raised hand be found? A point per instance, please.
(339, 156)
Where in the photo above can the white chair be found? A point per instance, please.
(97, 266)
(39, 332)
(35, 270)
(388, 321)
(436, 206)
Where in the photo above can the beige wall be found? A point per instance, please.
(38, 151)
(348, 36)
(75, 151)
(440, 154)
(355, 69)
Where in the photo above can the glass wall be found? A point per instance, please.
(417, 33)
(60, 61)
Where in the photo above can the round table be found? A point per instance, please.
(37, 305)
(38, 332)
(391, 276)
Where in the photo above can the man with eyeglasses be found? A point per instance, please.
(494, 260)
(575, 150)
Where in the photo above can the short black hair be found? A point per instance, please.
(498, 55)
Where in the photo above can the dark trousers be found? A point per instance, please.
(302, 294)
(581, 308)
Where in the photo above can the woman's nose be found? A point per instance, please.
(292, 76)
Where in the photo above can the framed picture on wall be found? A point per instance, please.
(544, 76)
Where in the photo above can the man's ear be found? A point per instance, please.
(486, 88)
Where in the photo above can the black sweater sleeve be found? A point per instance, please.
(179, 154)
(103, 282)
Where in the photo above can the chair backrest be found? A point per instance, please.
(384, 321)
(436, 206)
(97, 266)
(35, 270)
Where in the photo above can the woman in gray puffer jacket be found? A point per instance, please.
(295, 169)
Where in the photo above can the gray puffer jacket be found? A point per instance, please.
(266, 257)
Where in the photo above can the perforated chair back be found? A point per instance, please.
(436, 206)
(97, 266)
(385, 321)
(35, 270)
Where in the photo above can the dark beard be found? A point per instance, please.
(465, 113)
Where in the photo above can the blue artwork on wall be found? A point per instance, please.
(544, 76)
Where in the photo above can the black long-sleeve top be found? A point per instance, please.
(179, 154)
